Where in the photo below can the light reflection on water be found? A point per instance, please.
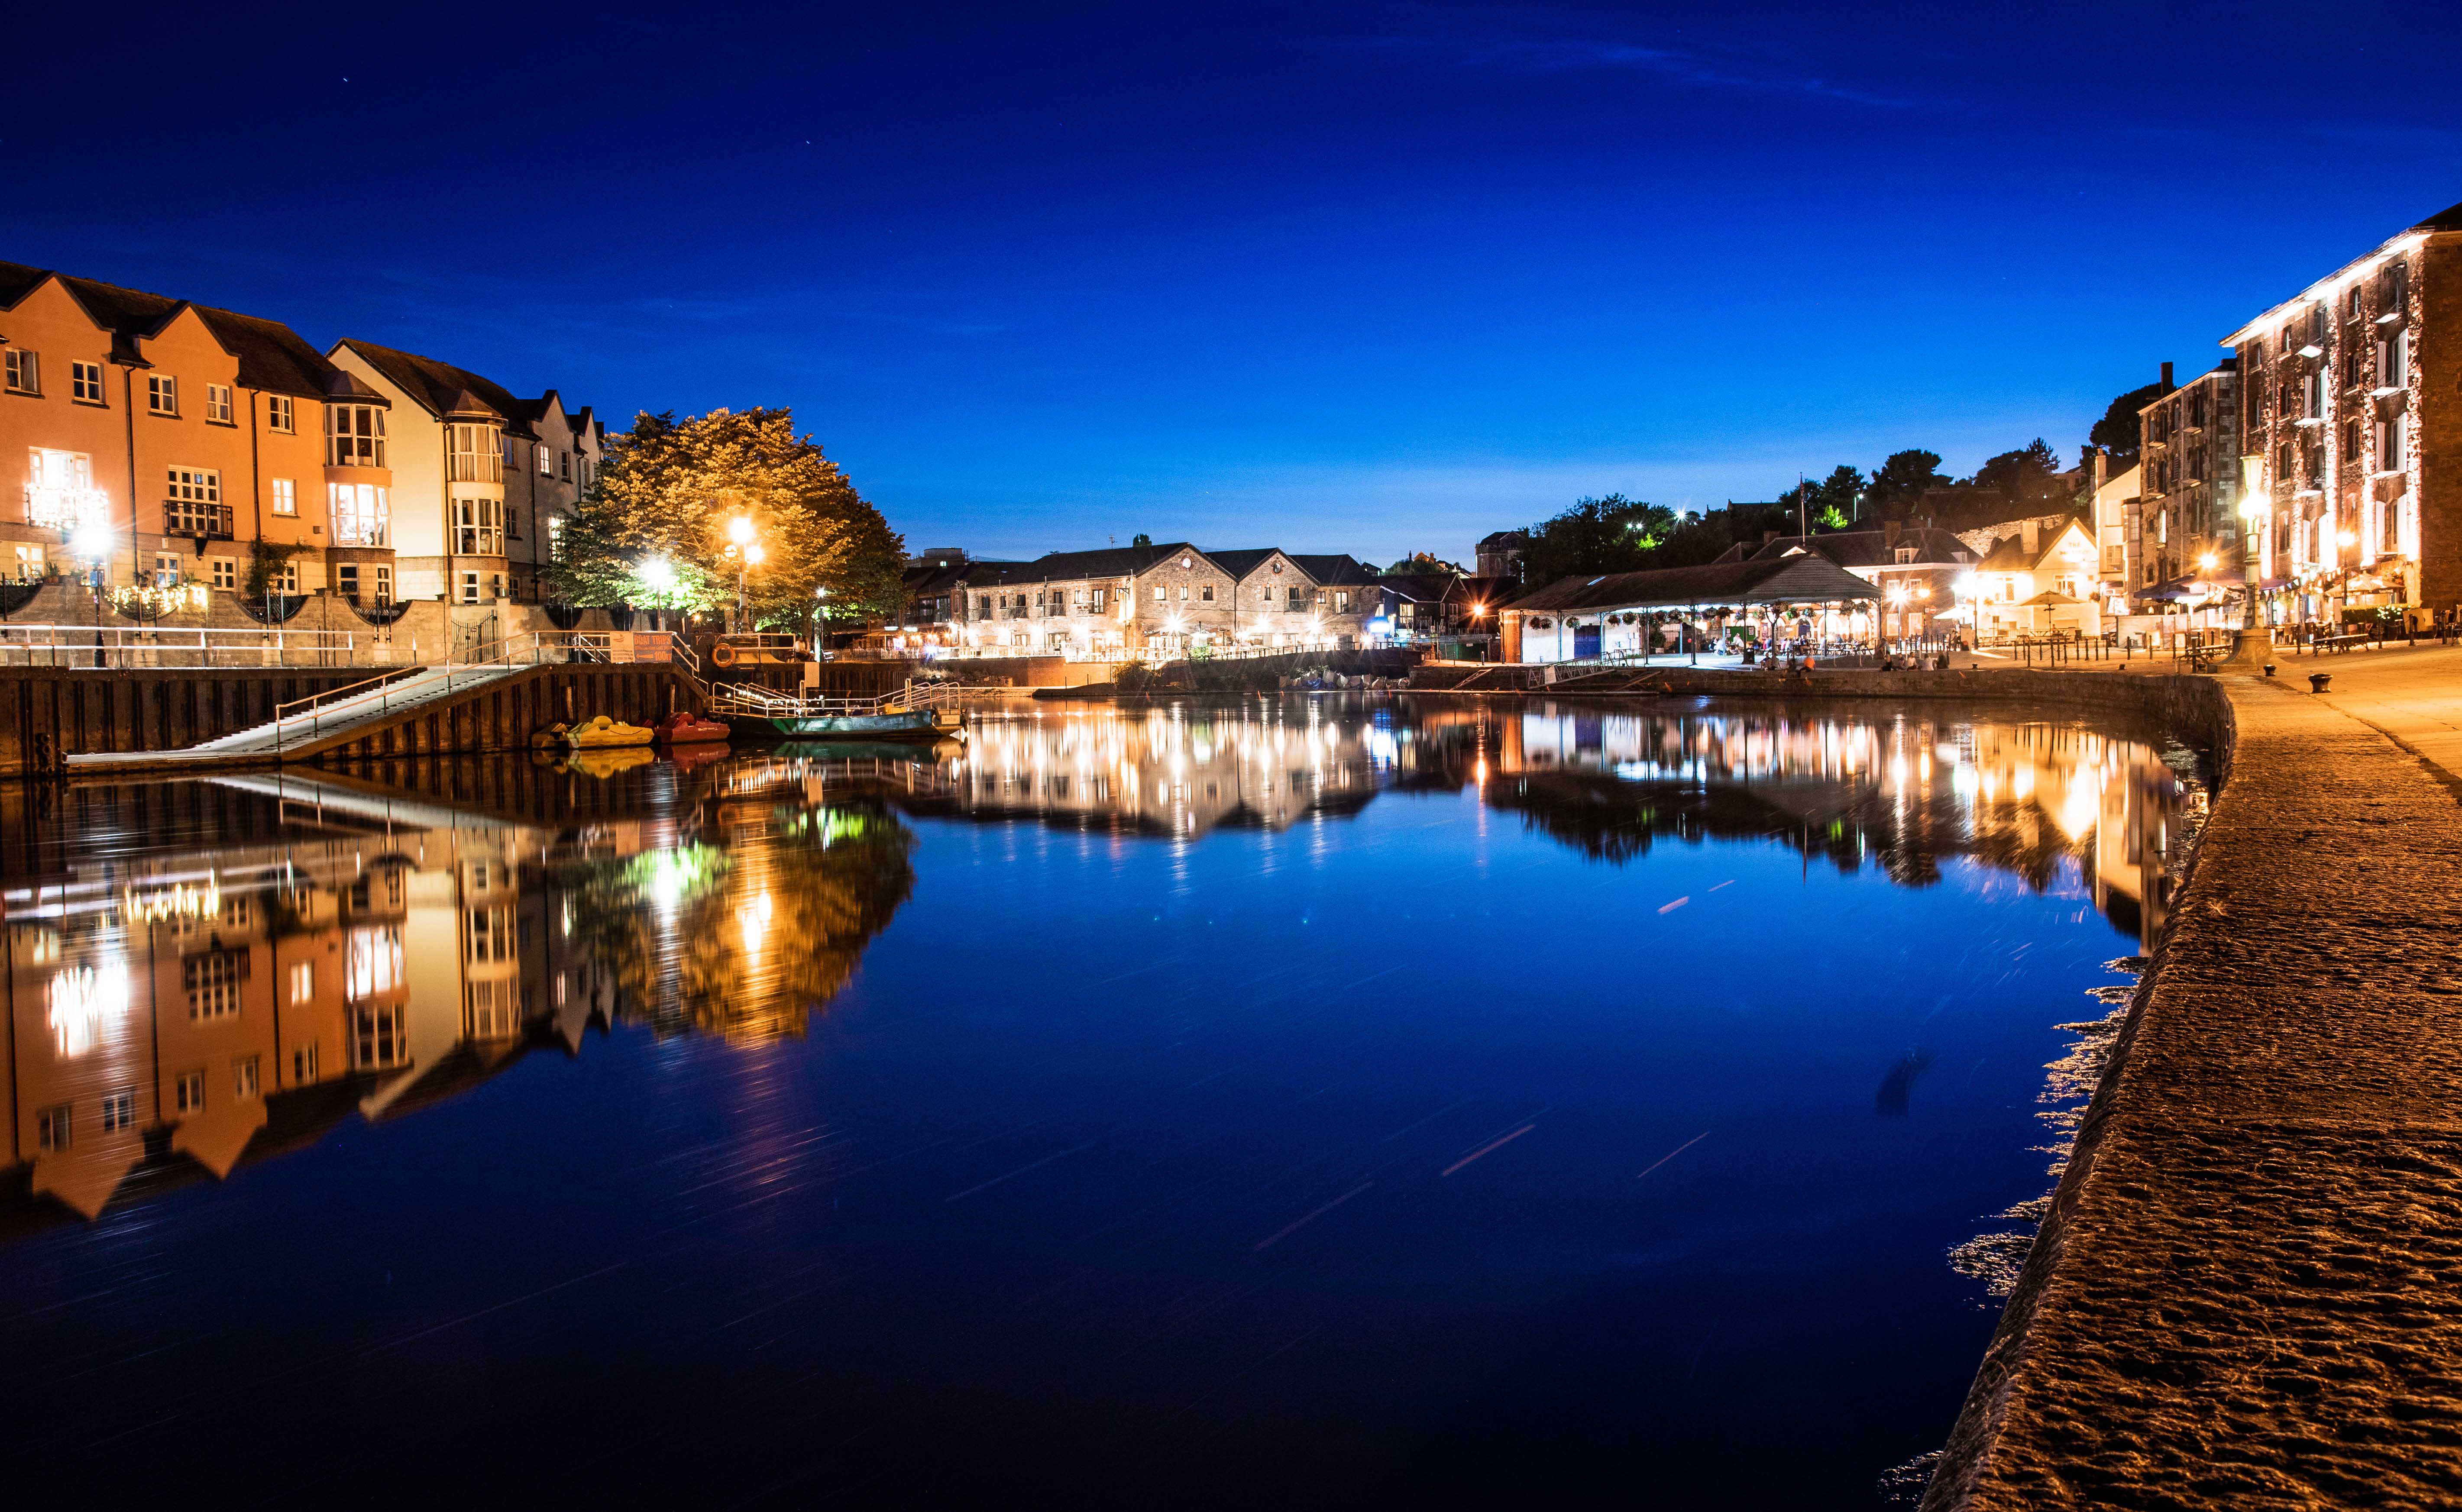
(1244, 1098)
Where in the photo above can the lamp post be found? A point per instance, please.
(93, 542)
(2343, 541)
(820, 619)
(746, 552)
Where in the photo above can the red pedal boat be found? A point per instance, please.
(683, 727)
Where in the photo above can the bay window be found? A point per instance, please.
(479, 526)
(355, 436)
(359, 515)
(475, 453)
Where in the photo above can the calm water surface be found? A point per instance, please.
(1299, 1103)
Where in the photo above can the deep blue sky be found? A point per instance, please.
(1364, 278)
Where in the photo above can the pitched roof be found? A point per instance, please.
(1116, 561)
(1339, 570)
(1422, 588)
(271, 355)
(1806, 579)
(1241, 562)
(1871, 548)
(2449, 219)
(1505, 538)
(2009, 553)
(442, 389)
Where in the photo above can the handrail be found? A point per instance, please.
(315, 726)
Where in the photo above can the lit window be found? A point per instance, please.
(555, 538)
(191, 1092)
(541, 453)
(245, 1085)
(120, 1109)
(302, 981)
(218, 403)
(29, 562)
(359, 513)
(24, 370)
(286, 496)
(226, 571)
(479, 528)
(355, 436)
(162, 394)
(279, 415)
(474, 454)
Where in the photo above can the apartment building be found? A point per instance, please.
(2350, 450)
(1117, 601)
(1285, 598)
(2189, 484)
(486, 479)
(162, 439)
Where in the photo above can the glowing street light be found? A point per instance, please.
(747, 552)
(93, 541)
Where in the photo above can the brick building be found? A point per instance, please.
(2352, 426)
(2188, 484)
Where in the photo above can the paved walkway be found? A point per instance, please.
(2249, 1291)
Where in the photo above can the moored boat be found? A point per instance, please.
(602, 732)
(684, 727)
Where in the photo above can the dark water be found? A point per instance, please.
(1297, 1104)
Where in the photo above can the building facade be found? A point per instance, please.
(483, 480)
(163, 441)
(1915, 568)
(1151, 601)
(2351, 458)
(2189, 482)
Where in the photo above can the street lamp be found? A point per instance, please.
(2252, 514)
(93, 541)
(747, 553)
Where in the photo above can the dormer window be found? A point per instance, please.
(355, 436)
(1906, 555)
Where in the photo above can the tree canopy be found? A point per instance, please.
(654, 526)
(2119, 431)
(1424, 564)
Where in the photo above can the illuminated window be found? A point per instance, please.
(24, 370)
(473, 454)
(359, 513)
(479, 526)
(279, 415)
(162, 394)
(245, 1085)
(189, 1091)
(218, 404)
(540, 452)
(555, 538)
(120, 1109)
(302, 981)
(355, 436)
(286, 496)
(372, 964)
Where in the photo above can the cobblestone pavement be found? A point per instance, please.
(2249, 1291)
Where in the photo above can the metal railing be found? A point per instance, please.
(125, 646)
(315, 705)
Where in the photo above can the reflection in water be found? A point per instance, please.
(179, 1011)
(371, 950)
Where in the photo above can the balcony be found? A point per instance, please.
(203, 522)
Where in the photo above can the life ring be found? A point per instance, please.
(722, 654)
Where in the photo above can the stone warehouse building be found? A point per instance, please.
(1152, 601)
(2190, 485)
(2350, 456)
(165, 438)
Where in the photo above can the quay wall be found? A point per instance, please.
(48, 714)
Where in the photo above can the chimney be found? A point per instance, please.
(1889, 534)
(2031, 533)
(2166, 378)
(2101, 468)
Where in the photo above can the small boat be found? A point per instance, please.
(602, 732)
(892, 724)
(926, 710)
(683, 727)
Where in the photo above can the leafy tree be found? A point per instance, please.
(668, 492)
(1424, 564)
(1142, 539)
(1898, 486)
(1612, 534)
(1839, 494)
(2025, 476)
(2119, 431)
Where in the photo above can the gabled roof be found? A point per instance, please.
(1871, 548)
(271, 355)
(1241, 562)
(2009, 553)
(443, 389)
(1332, 572)
(1421, 588)
(1806, 579)
(1503, 538)
(1117, 561)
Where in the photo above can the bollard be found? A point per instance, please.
(2317, 681)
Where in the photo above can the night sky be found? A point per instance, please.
(1364, 278)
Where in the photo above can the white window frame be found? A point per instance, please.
(384, 584)
(218, 404)
(286, 496)
(541, 449)
(162, 394)
(224, 571)
(166, 569)
(359, 514)
(24, 369)
(188, 491)
(355, 436)
(85, 383)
